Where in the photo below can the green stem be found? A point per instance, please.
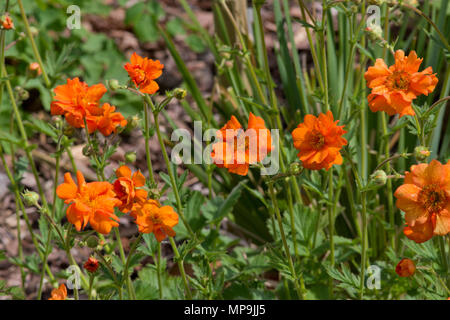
(171, 174)
(33, 44)
(364, 245)
(298, 287)
(158, 271)
(181, 267)
(123, 259)
(147, 144)
(130, 287)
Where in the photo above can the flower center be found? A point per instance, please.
(317, 140)
(139, 75)
(398, 80)
(432, 198)
(156, 219)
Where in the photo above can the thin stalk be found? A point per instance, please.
(298, 287)
(181, 267)
(147, 145)
(364, 245)
(33, 44)
(122, 257)
(171, 174)
(158, 270)
(130, 287)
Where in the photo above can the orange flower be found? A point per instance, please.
(125, 188)
(425, 199)
(143, 72)
(319, 140)
(77, 101)
(7, 22)
(239, 149)
(60, 293)
(394, 88)
(109, 121)
(151, 217)
(91, 265)
(405, 268)
(92, 202)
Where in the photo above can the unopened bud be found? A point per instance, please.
(179, 93)
(113, 84)
(87, 151)
(21, 93)
(92, 242)
(379, 177)
(35, 69)
(421, 153)
(132, 122)
(130, 157)
(30, 198)
(295, 168)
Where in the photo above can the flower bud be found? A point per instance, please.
(113, 84)
(179, 93)
(21, 93)
(91, 265)
(379, 177)
(405, 268)
(30, 198)
(92, 242)
(421, 153)
(35, 69)
(130, 157)
(34, 31)
(68, 130)
(132, 122)
(295, 168)
(87, 151)
(6, 22)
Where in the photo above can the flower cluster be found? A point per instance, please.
(80, 105)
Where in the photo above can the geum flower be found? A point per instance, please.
(79, 103)
(91, 265)
(238, 148)
(152, 217)
(319, 141)
(92, 202)
(405, 268)
(126, 190)
(143, 72)
(394, 88)
(425, 199)
(60, 293)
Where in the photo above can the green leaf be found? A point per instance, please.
(195, 43)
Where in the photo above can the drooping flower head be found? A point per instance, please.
(77, 101)
(91, 265)
(108, 122)
(319, 141)
(425, 199)
(394, 88)
(92, 203)
(126, 188)
(152, 217)
(60, 293)
(7, 22)
(405, 268)
(143, 72)
(237, 149)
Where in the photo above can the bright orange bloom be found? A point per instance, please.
(394, 88)
(239, 149)
(405, 268)
(77, 101)
(151, 217)
(143, 72)
(319, 141)
(92, 202)
(60, 293)
(7, 22)
(108, 122)
(126, 190)
(91, 265)
(425, 199)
